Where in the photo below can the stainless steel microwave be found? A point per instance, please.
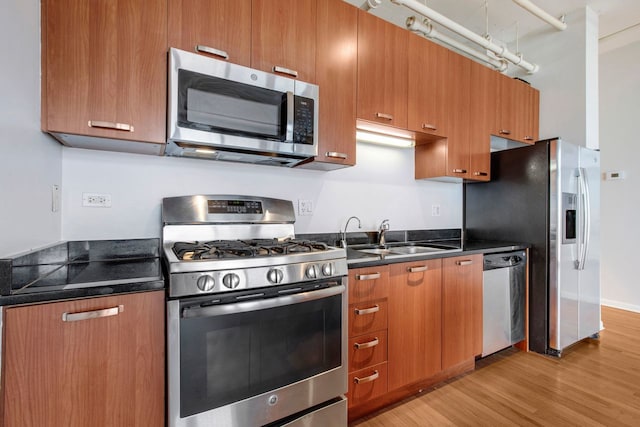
(223, 111)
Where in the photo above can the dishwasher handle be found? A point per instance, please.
(504, 260)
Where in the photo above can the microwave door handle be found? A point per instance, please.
(289, 129)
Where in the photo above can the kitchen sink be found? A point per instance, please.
(399, 249)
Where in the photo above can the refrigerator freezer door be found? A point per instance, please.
(563, 274)
(589, 275)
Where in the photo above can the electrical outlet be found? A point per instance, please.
(96, 200)
(435, 210)
(55, 198)
(305, 207)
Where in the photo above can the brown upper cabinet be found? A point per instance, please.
(283, 38)
(104, 67)
(516, 110)
(428, 73)
(336, 69)
(221, 29)
(382, 71)
(482, 100)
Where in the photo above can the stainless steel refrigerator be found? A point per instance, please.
(548, 195)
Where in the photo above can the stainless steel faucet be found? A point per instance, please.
(343, 242)
(384, 227)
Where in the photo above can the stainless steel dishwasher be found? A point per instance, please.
(503, 300)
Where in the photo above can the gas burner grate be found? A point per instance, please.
(222, 249)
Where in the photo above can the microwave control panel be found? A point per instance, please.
(303, 120)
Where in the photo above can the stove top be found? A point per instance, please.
(221, 243)
(229, 249)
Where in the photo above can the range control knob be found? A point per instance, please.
(328, 269)
(312, 271)
(275, 275)
(205, 283)
(231, 280)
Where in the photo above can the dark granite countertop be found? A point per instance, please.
(356, 259)
(81, 269)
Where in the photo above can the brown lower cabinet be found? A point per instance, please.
(411, 325)
(89, 362)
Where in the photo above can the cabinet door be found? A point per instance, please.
(336, 69)
(506, 105)
(428, 106)
(457, 90)
(104, 68)
(221, 28)
(382, 71)
(414, 322)
(283, 36)
(106, 371)
(461, 309)
(482, 102)
(528, 113)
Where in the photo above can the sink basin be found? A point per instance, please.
(376, 251)
(415, 249)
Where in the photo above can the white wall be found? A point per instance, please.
(381, 186)
(30, 162)
(567, 79)
(619, 114)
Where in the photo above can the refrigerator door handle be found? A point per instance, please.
(586, 217)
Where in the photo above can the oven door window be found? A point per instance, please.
(230, 357)
(218, 105)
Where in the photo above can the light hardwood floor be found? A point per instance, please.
(595, 383)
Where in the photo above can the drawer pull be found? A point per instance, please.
(459, 171)
(370, 378)
(372, 276)
(336, 155)
(465, 262)
(374, 342)
(94, 314)
(371, 310)
(283, 70)
(481, 174)
(505, 132)
(429, 127)
(212, 51)
(384, 116)
(417, 269)
(111, 125)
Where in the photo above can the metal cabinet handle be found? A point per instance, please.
(481, 174)
(528, 138)
(417, 269)
(94, 314)
(336, 155)
(372, 276)
(505, 132)
(429, 127)
(370, 378)
(371, 310)
(459, 171)
(283, 70)
(465, 262)
(111, 125)
(359, 346)
(212, 51)
(384, 116)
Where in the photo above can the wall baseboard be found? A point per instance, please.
(621, 305)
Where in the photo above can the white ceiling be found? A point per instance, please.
(619, 19)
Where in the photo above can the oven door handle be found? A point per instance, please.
(260, 304)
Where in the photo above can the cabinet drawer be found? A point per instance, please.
(367, 384)
(367, 284)
(367, 350)
(367, 316)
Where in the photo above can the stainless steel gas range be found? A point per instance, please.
(256, 318)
